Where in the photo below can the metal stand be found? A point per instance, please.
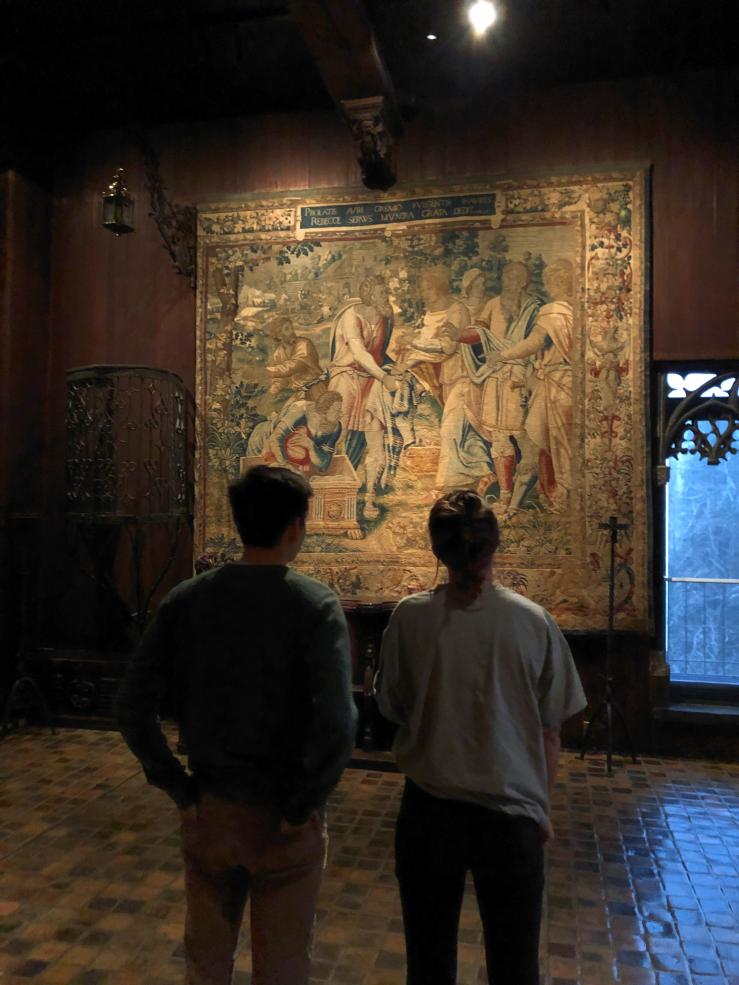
(607, 710)
(25, 694)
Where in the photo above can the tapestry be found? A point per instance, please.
(486, 335)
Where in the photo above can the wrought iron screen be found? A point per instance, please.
(129, 491)
(130, 433)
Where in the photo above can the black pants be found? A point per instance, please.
(436, 843)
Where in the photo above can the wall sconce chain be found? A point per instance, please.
(177, 224)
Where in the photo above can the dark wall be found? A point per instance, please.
(25, 211)
(120, 301)
(24, 299)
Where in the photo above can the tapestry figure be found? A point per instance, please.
(294, 369)
(303, 436)
(546, 447)
(497, 394)
(359, 372)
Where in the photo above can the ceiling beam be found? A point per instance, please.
(341, 41)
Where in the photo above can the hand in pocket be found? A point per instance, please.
(547, 831)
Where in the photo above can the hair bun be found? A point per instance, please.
(471, 503)
(463, 530)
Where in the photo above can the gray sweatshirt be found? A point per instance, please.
(471, 690)
(254, 662)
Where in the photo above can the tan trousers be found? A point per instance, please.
(233, 852)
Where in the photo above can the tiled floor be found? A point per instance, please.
(643, 880)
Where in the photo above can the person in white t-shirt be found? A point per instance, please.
(478, 680)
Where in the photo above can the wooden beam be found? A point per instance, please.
(342, 43)
(340, 38)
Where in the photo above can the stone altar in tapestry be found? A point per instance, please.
(486, 335)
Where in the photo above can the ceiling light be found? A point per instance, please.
(431, 37)
(482, 15)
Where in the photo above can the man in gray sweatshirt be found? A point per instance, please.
(255, 660)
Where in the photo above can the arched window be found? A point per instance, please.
(699, 466)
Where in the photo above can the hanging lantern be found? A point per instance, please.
(118, 206)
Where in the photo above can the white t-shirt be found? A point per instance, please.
(471, 690)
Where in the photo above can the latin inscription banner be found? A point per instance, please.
(409, 210)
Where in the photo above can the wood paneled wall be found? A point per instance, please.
(25, 211)
(24, 318)
(71, 294)
(685, 127)
(118, 300)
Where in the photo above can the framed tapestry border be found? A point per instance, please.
(553, 433)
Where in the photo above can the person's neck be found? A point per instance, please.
(373, 313)
(469, 593)
(266, 556)
(439, 303)
(513, 299)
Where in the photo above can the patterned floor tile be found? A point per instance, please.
(642, 881)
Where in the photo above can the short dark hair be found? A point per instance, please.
(464, 534)
(324, 400)
(367, 286)
(265, 500)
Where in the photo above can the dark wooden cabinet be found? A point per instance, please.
(367, 622)
(80, 685)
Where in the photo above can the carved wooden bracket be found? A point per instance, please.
(340, 38)
(177, 224)
(373, 140)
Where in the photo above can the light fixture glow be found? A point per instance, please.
(482, 15)
(431, 37)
